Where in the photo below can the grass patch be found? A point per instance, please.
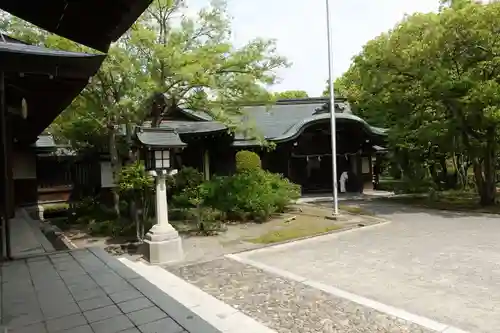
(355, 210)
(447, 200)
(292, 232)
(55, 210)
(57, 206)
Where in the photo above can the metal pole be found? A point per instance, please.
(332, 110)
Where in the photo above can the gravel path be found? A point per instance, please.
(284, 305)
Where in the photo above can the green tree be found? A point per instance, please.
(166, 60)
(336, 89)
(194, 64)
(434, 80)
(108, 108)
(110, 102)
(290, 94)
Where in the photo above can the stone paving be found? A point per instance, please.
(26, 237)
(285, 305)
(87, 291)
(436, 264)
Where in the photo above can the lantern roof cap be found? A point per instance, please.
(159, 138)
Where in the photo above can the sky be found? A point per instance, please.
(299, 27)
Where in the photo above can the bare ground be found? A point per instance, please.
(302, 221)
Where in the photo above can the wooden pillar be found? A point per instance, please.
(206, 164)
(376, 171)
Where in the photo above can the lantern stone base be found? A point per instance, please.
(163, 245)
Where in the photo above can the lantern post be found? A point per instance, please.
(164, 242)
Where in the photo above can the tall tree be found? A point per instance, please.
(336, 89)
(434, 80)
(167, 59)
(193, 62)
(291, 94)
(107, 109)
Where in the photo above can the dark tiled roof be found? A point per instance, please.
(46, 146)
(159, 138)
(186, 127)
(272, 122)
(12, 45)
(69, 19)
(285, 119)
(280, 122)
(296, 129)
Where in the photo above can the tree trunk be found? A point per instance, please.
(489, 195)
(484, 167)
(133, 202)
(115, 166)
(461, 167)
(484, 174)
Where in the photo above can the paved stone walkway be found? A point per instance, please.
(285, 305)
(87, 291)
(440, 265)
(26, 236)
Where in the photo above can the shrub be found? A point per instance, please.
(415, 186)
(187, 177)
(247, 160)
(80, 212)
(136, 185)
(134, 181)
(254, 195)
(55, 210)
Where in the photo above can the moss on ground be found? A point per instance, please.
(293, 232)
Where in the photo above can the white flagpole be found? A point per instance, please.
(332, 111)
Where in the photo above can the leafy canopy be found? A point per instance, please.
(291, 94)
(434, 81)
(193, 62)
(190, 59)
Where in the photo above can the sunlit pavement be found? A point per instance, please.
(443, 266)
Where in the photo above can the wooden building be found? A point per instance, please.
(36, 84)
(300, 130)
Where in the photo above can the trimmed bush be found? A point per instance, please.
(247, 160)
(251, 195)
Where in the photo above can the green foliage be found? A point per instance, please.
(136, 185)
(56, 209)
(186, 178)
(434, 81)
(252, 195)
(188, 58)
(190, 192)
(133, 180)
(290, 94)
(247, 161)
(193, 61)
(337, 88)
(198, 221)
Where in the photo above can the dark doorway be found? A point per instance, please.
(312, 172)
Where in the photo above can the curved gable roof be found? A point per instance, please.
(286, 120)
(281, 122)
(297, 129)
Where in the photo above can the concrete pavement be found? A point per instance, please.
(440, 265)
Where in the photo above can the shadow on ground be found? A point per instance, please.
(384, 207)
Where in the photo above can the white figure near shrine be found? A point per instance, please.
(343, 180)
